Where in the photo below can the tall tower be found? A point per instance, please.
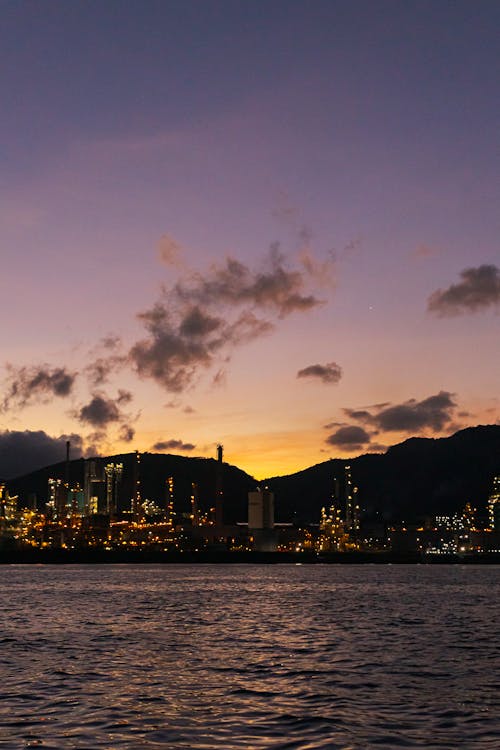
(352, 511)
(169, 501)
(494, 505)
(219, 494)
(195, 512)
(137, 510)
(94, 488)
(113, 479)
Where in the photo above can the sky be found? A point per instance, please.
(270, 225)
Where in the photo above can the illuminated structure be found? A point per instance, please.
(331, 530)
(113, 474)
(57, 499)
(94, 489)
(494, 506)
(136, 502)
(8, 504)
(169, 505)
(352, 511)
(195, 513)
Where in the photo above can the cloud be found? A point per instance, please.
(23, 452)
(204, 315)
(350, 437)
(126, 433)
(102, 411)
(329, 373)
(179, 445)
(434, 412)
(107, 359)
(361, 415)
(169, 250)
(39, 384)
(220, 378)
(276, 288)
(99, 372)
(478, 289)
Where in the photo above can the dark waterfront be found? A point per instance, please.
(250, 656)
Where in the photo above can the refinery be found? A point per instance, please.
(97, 514)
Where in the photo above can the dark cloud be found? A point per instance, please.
(23, 452)
(102, 411)
(29, 385)
(168, 356)
(106, 359)
(99, 372)
(197, 321)
(329, 373)
(126, 433)
(167, 445)
(362, 415)
(434, 412)
(276, 288)
(478, 289)
(176, 351)
(350, 437)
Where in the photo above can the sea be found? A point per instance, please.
(307, 657)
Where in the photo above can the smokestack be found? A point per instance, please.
(220, 451)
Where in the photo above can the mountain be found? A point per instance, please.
(155, 469)
(417, 478)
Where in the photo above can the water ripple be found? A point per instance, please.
(254, 657)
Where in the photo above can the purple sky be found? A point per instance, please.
(271, 224)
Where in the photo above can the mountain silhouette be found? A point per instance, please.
(415, 479)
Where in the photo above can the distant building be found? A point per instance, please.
(58, 499)
(261, 520)
(114, 473)
(94, 489)
(261, 509)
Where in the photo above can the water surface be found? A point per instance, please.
(248, 656)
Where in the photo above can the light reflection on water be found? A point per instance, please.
(283, 656)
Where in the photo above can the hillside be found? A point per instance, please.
(155, 470)
(419, 477)
(416, 478)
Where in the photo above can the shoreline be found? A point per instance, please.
(216, 557)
